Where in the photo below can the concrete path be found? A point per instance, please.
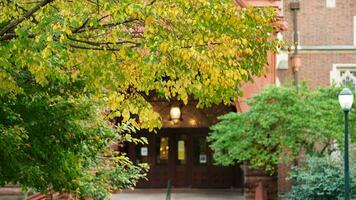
(180, 194)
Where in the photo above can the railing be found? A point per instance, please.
(169, 190)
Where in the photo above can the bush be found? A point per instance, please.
(280, 122)
(321, 178)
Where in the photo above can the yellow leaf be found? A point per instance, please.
(163, 47)
(126, 115)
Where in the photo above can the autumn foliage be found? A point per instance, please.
(63, 63)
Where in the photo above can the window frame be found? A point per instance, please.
(335, 77)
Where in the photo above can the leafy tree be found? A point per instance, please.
(280, 122)
(69, 67)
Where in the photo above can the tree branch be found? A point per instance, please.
(151, 3)
(83, 29)
(202, 45)
(94, 48)
(86, 22)
(103, 43)
(82, 26)
(16, 22)
(24, 10)
(324, 148)
(10, 36)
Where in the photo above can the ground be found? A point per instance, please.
(180, 194)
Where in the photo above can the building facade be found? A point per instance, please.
(327, 42)
(326, 48)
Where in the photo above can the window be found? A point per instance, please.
(344, 74)
(200, 156)
(162, 150)
(181, 157)
(141, 154)
(330, 3)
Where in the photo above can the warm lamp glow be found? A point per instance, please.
(193, 122)
(175, 113)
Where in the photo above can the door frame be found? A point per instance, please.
(158, 175)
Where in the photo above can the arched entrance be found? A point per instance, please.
(180, 152)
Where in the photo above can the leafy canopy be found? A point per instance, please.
(280, 122)
(63, 63)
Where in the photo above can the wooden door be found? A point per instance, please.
(162, 164)
(200, 161)
(184, 157)
(181, 159)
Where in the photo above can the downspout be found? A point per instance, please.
(296, 63)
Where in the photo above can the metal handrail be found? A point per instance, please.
(169, 189)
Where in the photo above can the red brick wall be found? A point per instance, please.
(319, 25)
(250, 89)
(316, 67)
(284, 184)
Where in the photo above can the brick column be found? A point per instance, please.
(253, 178)
(284, 185)
(11, 192)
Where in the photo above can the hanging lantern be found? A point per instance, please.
(175, 113)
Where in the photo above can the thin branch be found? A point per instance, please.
(152, 2)
(103, 17)
(98, 6)
(23, 9)
(16, 22)
(103, 43)
(9, 36)
(86, 22)
(20, 7)
(83, 29)
(202, 45)
(55, 8)
(324, 148)
(94, 48)
(32, 2)
(80, 27)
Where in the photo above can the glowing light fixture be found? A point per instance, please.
(175, 113)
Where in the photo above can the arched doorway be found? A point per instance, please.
(180, 152)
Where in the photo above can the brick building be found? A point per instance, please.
(327, 42)
(326, 36)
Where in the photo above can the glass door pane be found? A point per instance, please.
(162, 150)
(181, 150)
(141, 154)
(200, 152)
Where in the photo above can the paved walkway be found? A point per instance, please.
(180, 194)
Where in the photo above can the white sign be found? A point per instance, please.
(144, 151)
(181, 150)
(202, 158)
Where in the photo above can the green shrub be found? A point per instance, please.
(321, 178)
(280, 122)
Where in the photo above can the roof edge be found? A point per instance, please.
(241, 3)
